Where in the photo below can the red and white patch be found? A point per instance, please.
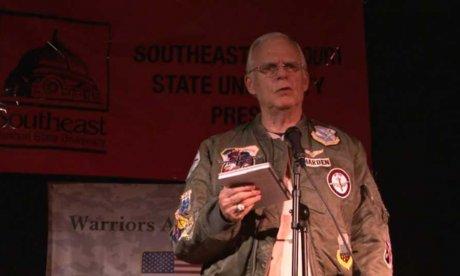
(235, 158)
(339, 182)
(388, 255)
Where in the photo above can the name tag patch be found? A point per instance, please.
(313, 162)
(317, 162)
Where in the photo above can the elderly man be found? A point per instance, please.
(219, 227)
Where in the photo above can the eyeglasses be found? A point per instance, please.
(272, 69)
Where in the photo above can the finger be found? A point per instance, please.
(228, 200)
(235, 193)
(241, 188)
(248, 205)
(243, 213)
(241, 196)
(250, 201)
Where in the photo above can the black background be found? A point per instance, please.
(411, 53)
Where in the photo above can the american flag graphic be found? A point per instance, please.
(164, 262)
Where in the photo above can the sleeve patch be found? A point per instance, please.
(183, 226)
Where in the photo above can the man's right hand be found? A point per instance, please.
(235, 203)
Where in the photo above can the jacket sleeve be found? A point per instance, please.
(200, 234)
(370, 235)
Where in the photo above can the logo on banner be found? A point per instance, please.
(339, 182)
(235, 158)
(50, 73)
(57, 71)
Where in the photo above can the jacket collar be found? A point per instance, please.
(261, 132)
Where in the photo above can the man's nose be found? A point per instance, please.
(281, 72)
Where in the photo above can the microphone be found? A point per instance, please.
(293, 136)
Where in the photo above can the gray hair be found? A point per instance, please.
(261, 39)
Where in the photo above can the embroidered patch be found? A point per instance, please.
(183, 219)
(317, 162)
(183, 227)
(188, 231)
(181, 222)
(339, 182)
(235, 158)
(175, 234)
(196, 160)
(343, 255)
(325, 136)
(388, 255)
(185, 199)
(314, 153)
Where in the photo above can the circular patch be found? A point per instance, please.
(339, 182)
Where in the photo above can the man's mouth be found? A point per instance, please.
(284, 89)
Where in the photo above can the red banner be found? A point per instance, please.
(104, 89)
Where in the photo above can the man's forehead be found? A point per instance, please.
(274, 48)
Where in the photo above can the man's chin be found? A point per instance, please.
(284, 106)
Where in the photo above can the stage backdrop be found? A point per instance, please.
(129, 89)
(113, 229)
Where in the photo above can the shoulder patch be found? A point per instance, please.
(183, 226)
(185, 201)
(235, 158)
(325, 136)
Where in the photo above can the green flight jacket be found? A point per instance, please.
(336, 164)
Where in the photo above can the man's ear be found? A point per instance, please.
(249, 82)
(305, 81)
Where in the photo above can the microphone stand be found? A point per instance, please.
(299, 223)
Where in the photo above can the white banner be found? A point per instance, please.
(113, 229)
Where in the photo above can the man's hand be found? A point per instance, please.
(235, 203)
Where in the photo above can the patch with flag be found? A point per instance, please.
(325, 136)
(183, 219)
(185, 199)
(160, 262)
(343, 255)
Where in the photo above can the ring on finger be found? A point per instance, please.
(240, 207)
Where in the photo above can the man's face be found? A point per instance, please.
(282, 90)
